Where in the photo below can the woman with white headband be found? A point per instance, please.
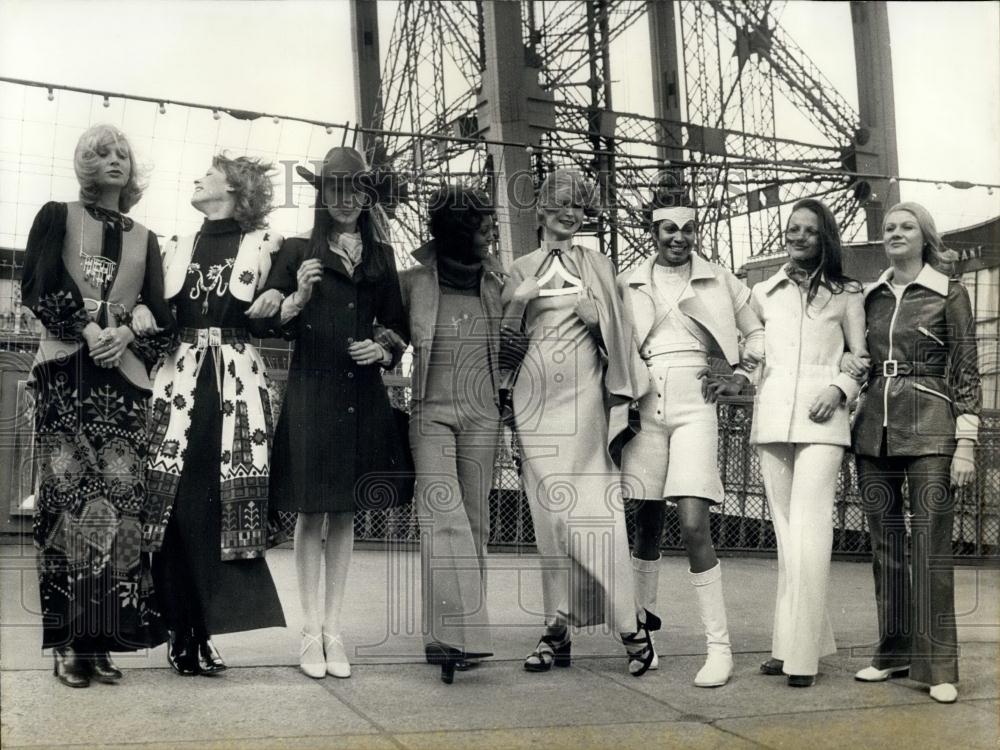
(684, 309)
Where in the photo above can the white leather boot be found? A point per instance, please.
(719, 664)
(647, 582)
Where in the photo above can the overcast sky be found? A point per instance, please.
(294, 58)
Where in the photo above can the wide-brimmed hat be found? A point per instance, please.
(347, 165)
(342, 164)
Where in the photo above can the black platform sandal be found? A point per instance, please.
(639, 645)
(552, 649)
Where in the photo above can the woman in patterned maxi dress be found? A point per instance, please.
(211, 432)
(86, 264)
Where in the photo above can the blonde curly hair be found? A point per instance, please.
(93, 145)
(250, 179)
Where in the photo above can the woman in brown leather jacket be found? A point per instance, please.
(918, 420)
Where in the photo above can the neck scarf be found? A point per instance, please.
(801, 273)
(348, 247)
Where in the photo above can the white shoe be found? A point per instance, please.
(336, 657)
(655, 664)
(944, 692)
(311, 660)
(717, 670)
(873, 674)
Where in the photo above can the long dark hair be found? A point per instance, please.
(830, 274)
(373, 255)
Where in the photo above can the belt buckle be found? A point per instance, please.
(214, 336)
(885, 368)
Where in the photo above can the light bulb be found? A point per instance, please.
(163, 108)
(107, 102)
(215, 114)
(52, 95)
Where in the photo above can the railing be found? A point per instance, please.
(741, 523)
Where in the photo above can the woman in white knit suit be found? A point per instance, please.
(800, 426)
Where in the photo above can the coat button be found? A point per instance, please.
(309, 326)
(350, 375)
(350, 305)
(350, 409)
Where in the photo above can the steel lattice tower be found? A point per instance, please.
(735, 59)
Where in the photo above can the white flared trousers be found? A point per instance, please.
(801, 482)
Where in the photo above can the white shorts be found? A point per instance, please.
(675, 453)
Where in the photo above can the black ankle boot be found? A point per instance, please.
(72, 669)
(103, 669)
(182, 653)
(209, 659)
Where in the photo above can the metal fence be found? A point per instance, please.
(741, 523)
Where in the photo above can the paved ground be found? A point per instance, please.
(395, 701)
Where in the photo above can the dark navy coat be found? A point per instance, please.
(337, 444)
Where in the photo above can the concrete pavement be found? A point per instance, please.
(394, 700)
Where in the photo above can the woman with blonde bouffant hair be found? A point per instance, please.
(86, 265)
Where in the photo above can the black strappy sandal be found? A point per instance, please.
(550, 650)
(639, 645)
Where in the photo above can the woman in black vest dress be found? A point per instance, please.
(86, 264)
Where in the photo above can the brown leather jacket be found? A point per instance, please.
(924, 385)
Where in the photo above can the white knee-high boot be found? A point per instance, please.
(647, 581)
(719, 664)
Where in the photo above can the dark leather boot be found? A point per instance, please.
(209, 659)
(103, 669)
(71, 669)
(182, 653)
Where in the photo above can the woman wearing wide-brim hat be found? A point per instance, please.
(337, 448)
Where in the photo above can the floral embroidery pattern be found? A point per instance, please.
(214, 280)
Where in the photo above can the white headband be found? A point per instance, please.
(679, 215)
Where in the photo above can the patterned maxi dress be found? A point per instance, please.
(90, 429)
(211, 433)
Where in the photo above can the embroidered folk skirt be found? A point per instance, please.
(91, 439)
(196, 586)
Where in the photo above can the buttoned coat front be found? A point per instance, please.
(337, 446)
(803, 345)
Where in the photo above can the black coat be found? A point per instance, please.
(337, 445)
(932, 339)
